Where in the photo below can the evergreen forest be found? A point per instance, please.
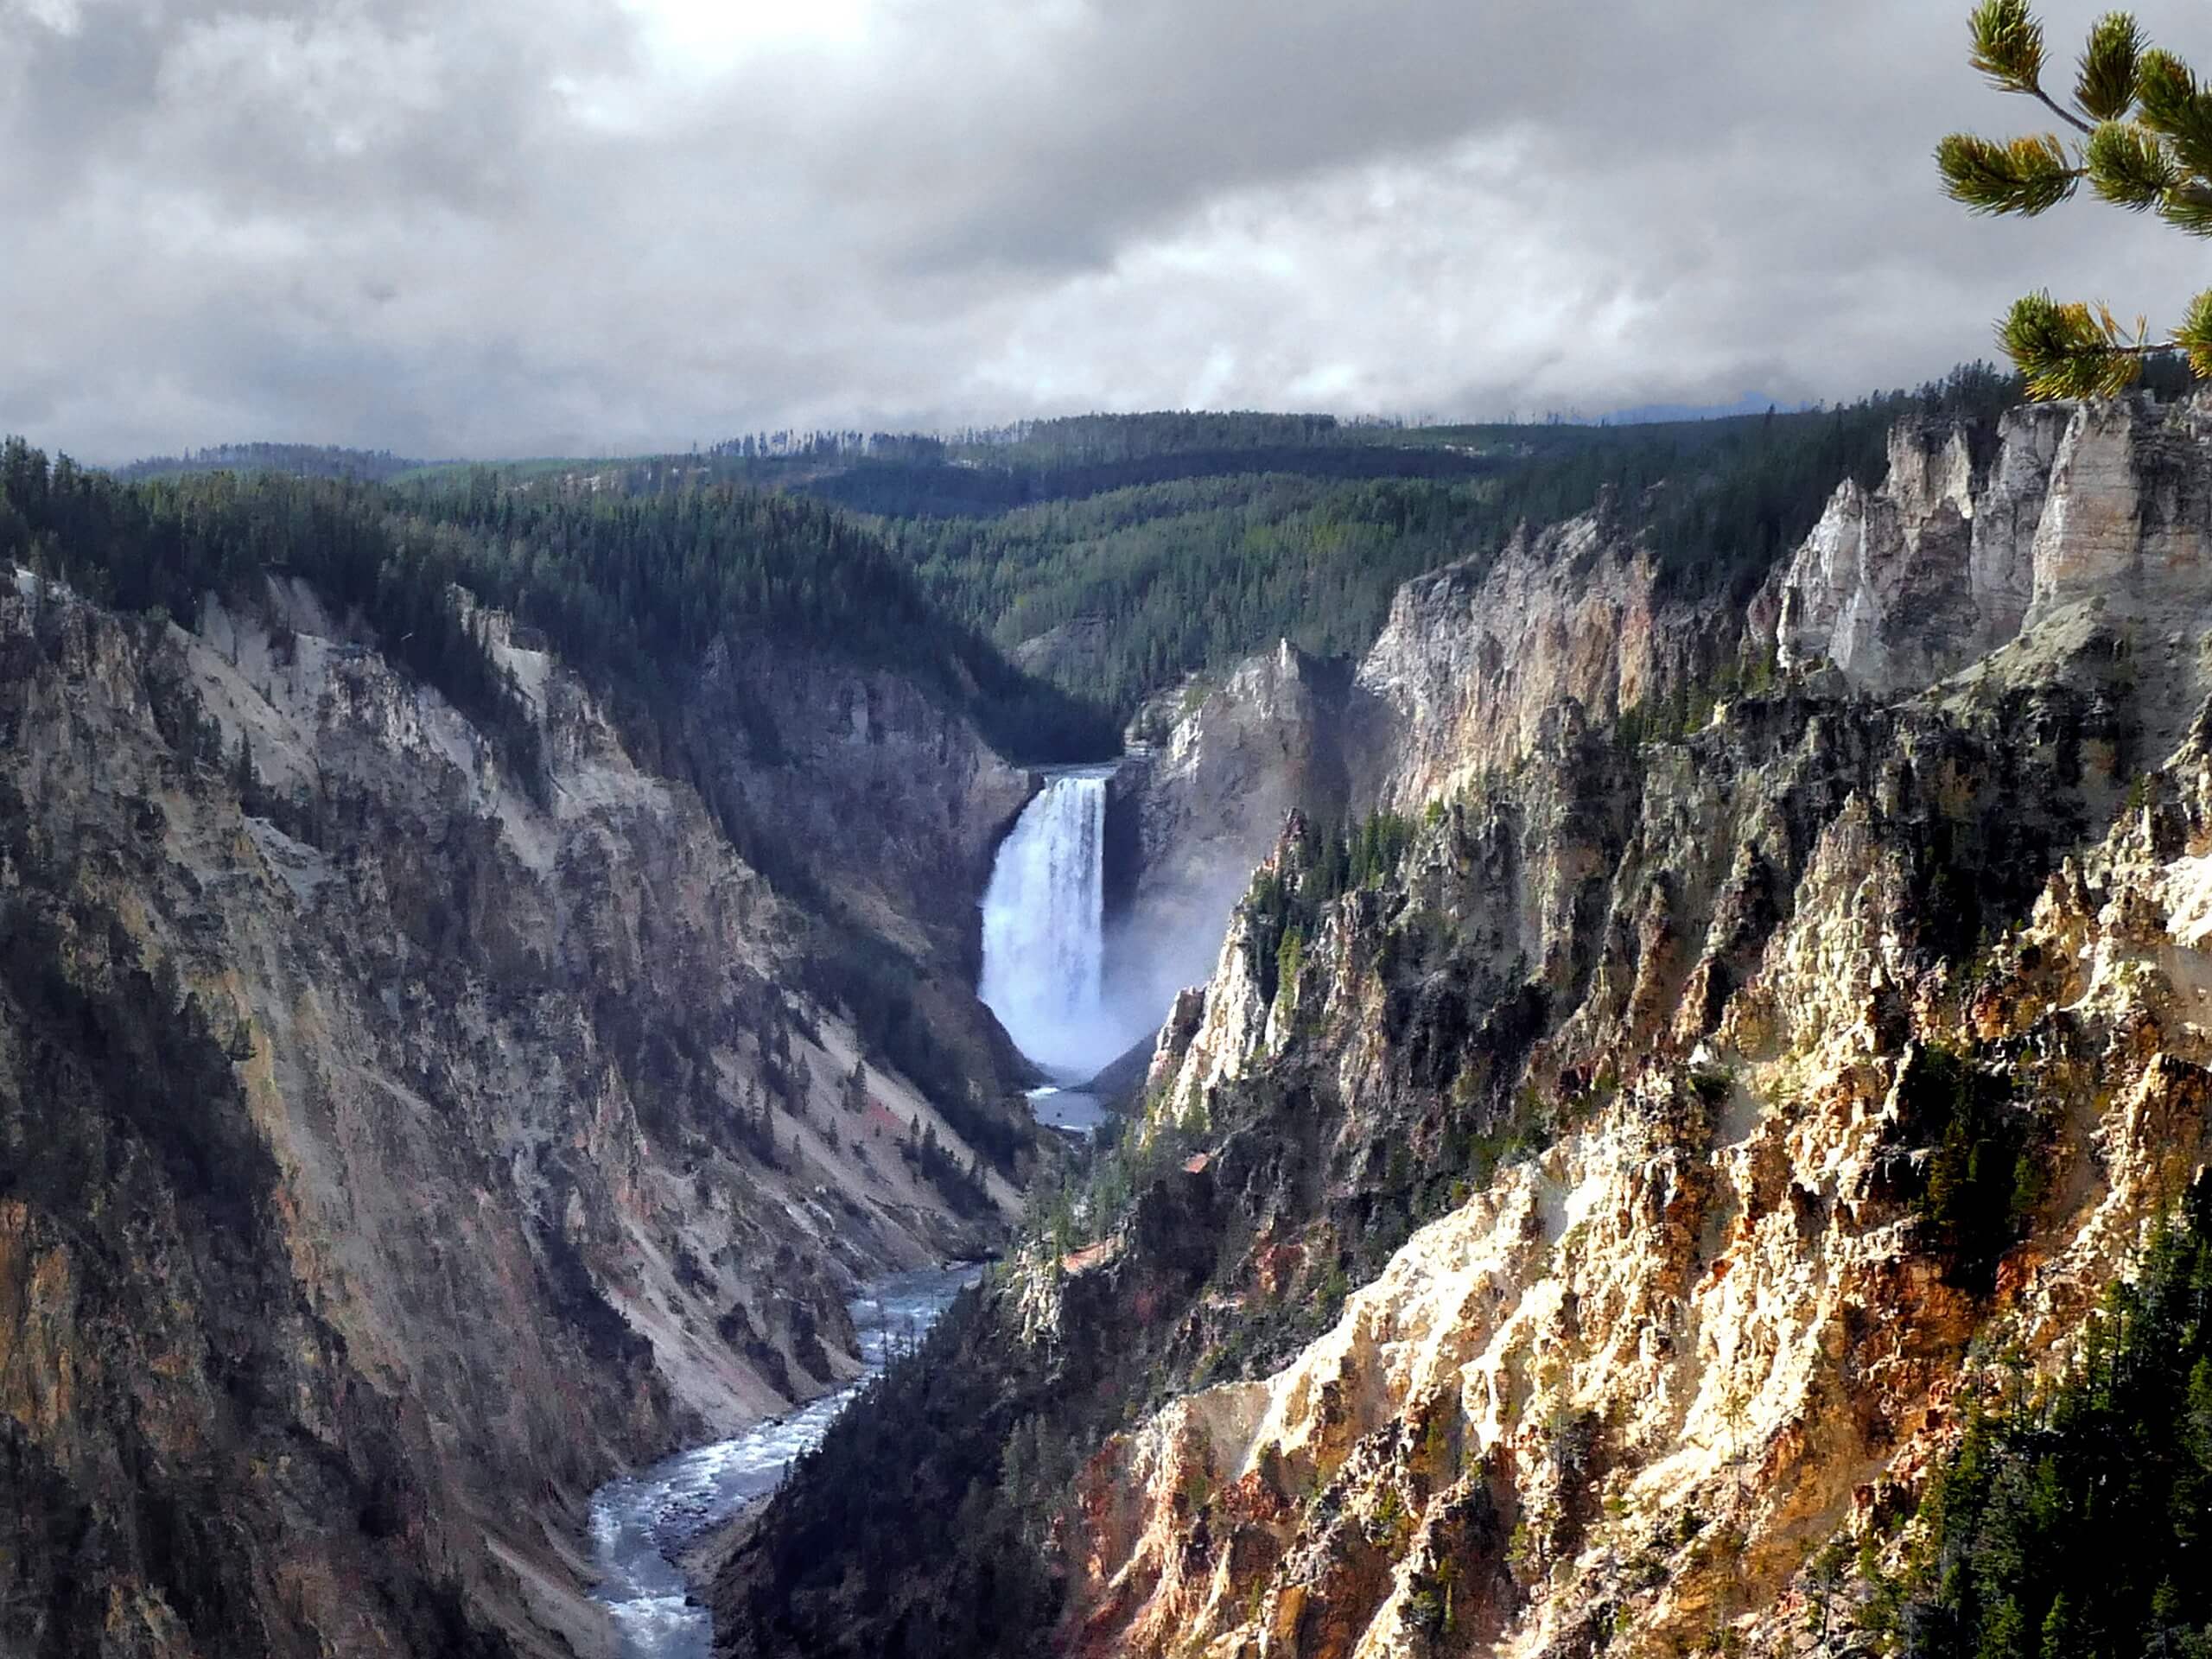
(1047, 579)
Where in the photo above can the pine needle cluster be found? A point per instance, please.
(2140, 136)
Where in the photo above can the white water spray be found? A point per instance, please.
(1045, 928)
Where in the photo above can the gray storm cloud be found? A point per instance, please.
(476, 228)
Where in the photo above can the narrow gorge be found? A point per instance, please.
(643, 1524)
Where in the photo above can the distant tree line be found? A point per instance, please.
(900, 488)
(299, 460)
(1094, 439)
(1071, 440)
(630, 589)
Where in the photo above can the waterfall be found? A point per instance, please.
(1044, 928)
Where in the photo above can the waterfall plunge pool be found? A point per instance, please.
(1070, 1110)
(640, 1521)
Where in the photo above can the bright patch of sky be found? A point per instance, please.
(703, 38)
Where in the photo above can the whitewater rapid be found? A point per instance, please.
(639, 1522)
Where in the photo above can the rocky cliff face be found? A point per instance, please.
(389, 1155)
(1621, 1200)
(893, 805)
(1468, 676)
(1190, 816)
(882, 810)
(1474, 662)
(1975, 543)
(1477, 656)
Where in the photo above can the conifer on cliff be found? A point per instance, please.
(2141, 135)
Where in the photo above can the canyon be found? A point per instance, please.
(1562, 1240)
(1530, 1229)
(505, 1139)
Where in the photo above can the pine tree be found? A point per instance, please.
(244, 774)
(2141, 136)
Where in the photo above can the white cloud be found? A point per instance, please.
(465, 226)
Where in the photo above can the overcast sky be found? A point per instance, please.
(490, 227)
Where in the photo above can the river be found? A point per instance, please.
(640, 1521)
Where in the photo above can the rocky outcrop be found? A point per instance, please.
(392, 1152)
(891, 804)
(1189, 817)
(1972, 543)
(1917, 549)
(1476, 657)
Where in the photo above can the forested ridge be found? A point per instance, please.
(1133, 550)
(630, 589)
(300, 460)
(634, 588)
(157, 548)
(1197, 573)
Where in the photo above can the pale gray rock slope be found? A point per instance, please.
(1190, 817)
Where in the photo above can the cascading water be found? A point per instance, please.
(640, 1524)
(1045, 928)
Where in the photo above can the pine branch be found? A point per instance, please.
(2062, 112)
(2195, 334)
(2131, 166)
(2104, 88)
(2175, 106)
(2008, 45)
(2008, 50)
(2188, 206)
(2074, 350)
(2028, 175)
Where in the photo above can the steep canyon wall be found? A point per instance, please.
(1573, 1237)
